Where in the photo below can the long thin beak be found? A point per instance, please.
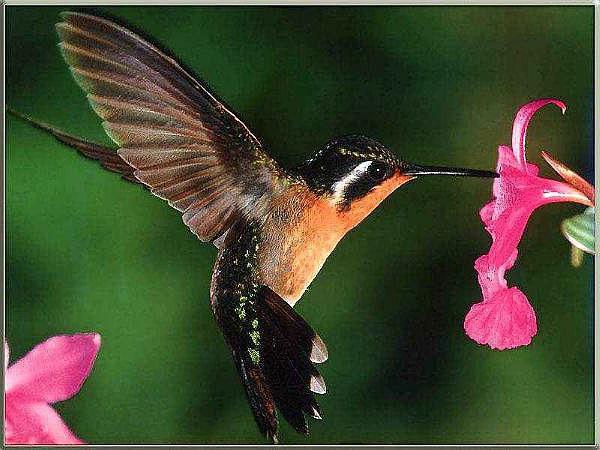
(416, 170)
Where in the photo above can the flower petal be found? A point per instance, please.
(506, 321)
(35, 424)
(491, 277)
(55, 369)
(521, 123)
(571, 177)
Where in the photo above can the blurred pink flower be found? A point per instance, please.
(52, 372)
(504, 318)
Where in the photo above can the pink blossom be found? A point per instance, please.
(52, 372)
(504, 318)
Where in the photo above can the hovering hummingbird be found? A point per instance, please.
(273, 227)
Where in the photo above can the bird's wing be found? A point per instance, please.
(273, 347)
(106, 156)
(183, 143)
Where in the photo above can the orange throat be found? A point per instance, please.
(361, 208)
(299, 244)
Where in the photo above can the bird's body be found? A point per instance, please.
(300, 232)
(287, 262)
(274, 228)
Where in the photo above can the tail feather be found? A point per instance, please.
(288, 369)
(301, 333)
(281, 375)
(259, 397)
(106, 156)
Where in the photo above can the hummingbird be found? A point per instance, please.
(273, 227)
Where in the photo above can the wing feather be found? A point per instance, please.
(182, 142)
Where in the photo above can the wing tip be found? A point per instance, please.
(69, 14)
(65, 18)
(60, 28)
(64, 15)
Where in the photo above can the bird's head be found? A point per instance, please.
(356, 173)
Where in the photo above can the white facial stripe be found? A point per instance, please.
(339, 187)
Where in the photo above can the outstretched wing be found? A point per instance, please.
(106, 156)
(182, 142)
(272, 346)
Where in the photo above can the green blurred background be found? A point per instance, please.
(439, 85)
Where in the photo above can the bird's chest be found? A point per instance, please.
(300, 235)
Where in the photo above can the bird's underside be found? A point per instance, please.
(188, 148)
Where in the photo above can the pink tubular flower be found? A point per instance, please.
(504, 318)
(52, 372)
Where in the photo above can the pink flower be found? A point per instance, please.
(504, 318)
(52, 372)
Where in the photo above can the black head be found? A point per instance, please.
(350, 167)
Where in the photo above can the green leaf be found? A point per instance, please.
(579, 231)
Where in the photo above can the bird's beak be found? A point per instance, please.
(414, 170)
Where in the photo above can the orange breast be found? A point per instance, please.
(301, 232)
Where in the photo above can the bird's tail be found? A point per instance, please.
(106, 156)
(279, 371)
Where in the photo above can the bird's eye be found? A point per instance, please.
(378, 171)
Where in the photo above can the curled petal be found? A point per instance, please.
(506, 321)
(55, 369)
(521, 123)
(35, 424)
